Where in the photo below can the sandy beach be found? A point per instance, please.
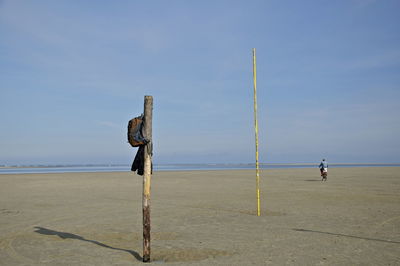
(203, 218)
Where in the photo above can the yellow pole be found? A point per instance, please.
(256, 131)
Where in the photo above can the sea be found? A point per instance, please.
(42, 169)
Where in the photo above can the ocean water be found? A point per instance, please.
(166, 167)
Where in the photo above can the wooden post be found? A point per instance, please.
(147, 132)
(256, 131)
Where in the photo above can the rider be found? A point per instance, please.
(323, 166)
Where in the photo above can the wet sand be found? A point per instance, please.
(203, 218)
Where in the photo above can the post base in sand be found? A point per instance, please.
(146, 258)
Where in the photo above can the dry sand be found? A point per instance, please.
(203, 218)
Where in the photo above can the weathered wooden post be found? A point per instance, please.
(147, 132)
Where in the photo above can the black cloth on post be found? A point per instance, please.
(138, 162)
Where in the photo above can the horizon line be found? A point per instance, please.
(4, 166)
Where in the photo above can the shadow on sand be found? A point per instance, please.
(64, 235)
(358, 237)
(312, 180)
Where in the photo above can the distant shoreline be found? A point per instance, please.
(60, 166)
(228, 165)
(205, 166)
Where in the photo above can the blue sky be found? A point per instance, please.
(72, 73)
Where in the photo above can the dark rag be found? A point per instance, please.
(138, 162)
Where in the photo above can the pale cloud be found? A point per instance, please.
(68, 33)
(108, 124)
(383, 59)
(364, 3)
(360, 126)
